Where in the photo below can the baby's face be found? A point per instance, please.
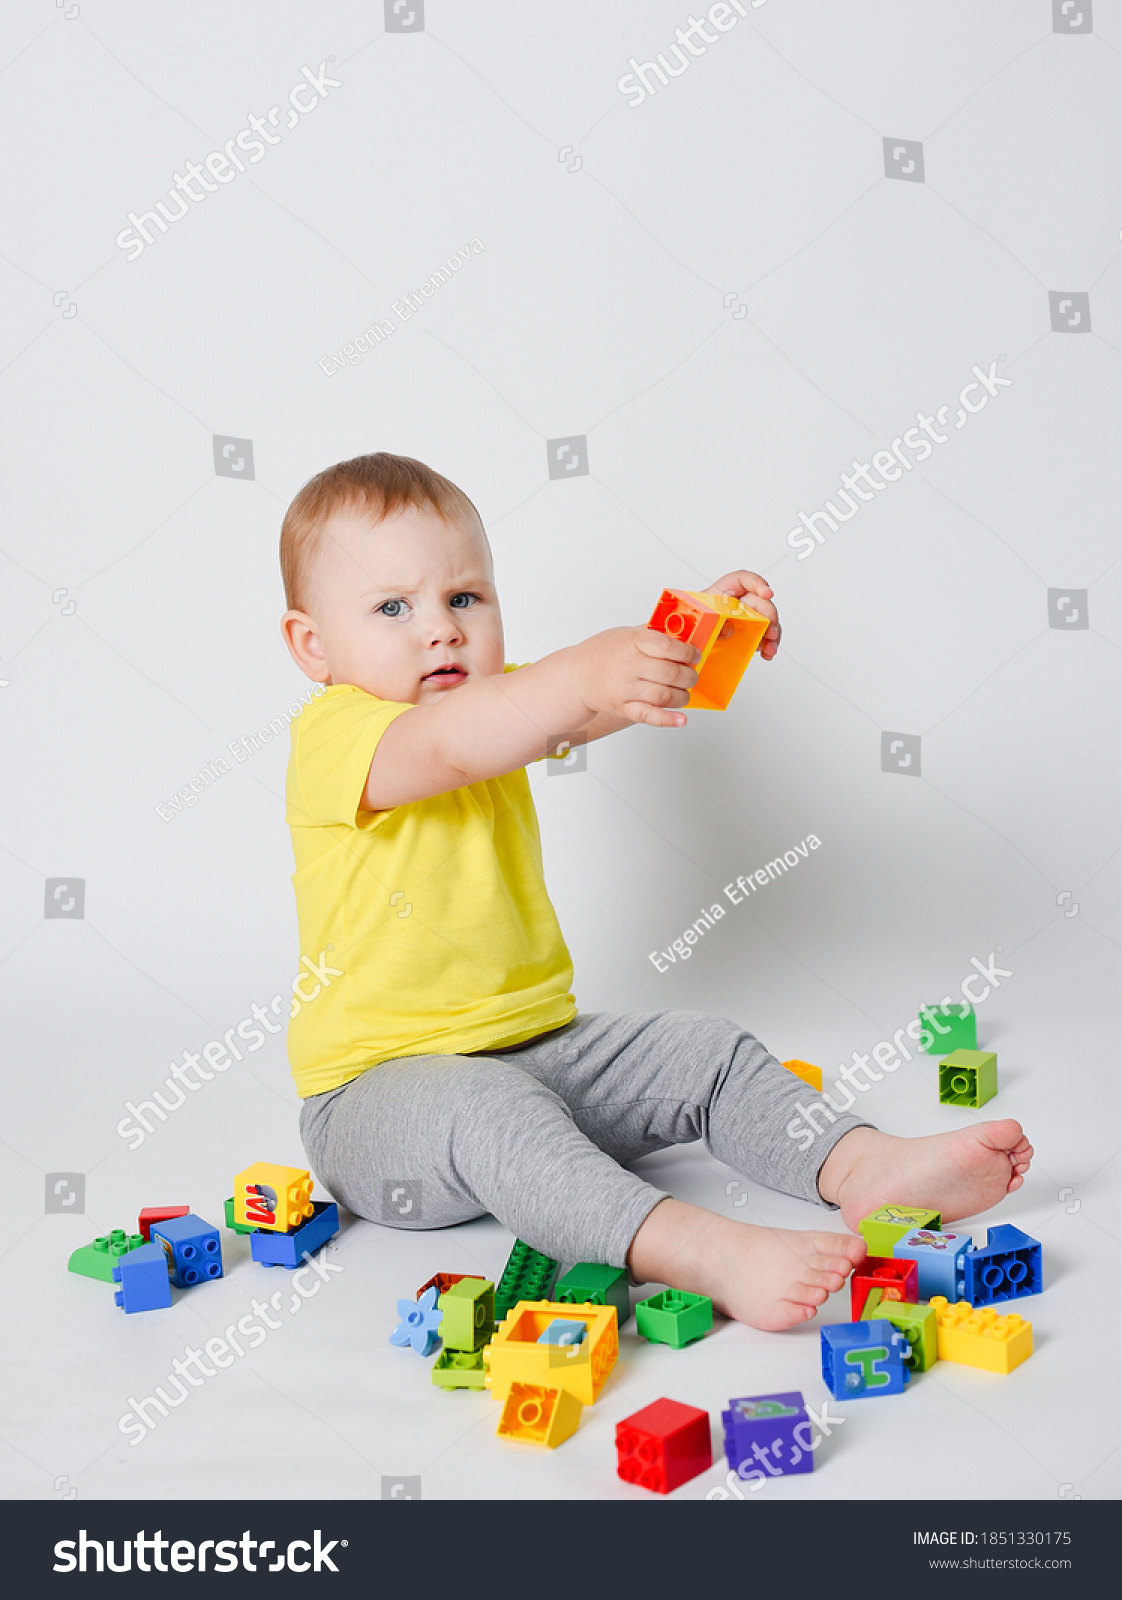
(396, 600)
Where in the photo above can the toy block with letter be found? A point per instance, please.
(192, 1247)
(229, 1208)
(663, 1445)
(940, 1259)
(896, 1280)
(953, 1027)
(588, 1284)
(978, 1337)
(763, 1430)
(864, 1359)
(538, 1413)
(811, 1075)
(152, 1214)
(1007, 1267)
(881, 1231)
(726, 632)
(268, 1196)
(967, 1078)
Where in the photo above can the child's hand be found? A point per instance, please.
(635, 674)
(755, 593)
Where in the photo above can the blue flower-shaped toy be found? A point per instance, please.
(419, 1321)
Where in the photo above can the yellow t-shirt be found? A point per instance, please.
(425, 929)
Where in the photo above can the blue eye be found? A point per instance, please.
(385, 603)
(463, 596)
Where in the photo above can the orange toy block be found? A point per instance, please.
(700, 620)
(810, 1075)
(277, 1199)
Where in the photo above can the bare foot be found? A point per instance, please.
(958, 1174)
(771, 1278)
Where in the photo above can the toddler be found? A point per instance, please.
(445, 1070)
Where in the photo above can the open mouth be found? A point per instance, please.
(445, 675)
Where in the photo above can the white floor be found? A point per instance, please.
(324, 1401)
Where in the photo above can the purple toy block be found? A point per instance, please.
(768, 1435)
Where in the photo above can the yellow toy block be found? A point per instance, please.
(700, 620)
(537, 1413)
(515, 1356)
(274, 1198)
(810, 1075)
(978, 1337)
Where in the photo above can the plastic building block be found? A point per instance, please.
(515, 1356)
(143, 1276)
(537, 1413)
(663, 1445)
(700, 619)
(528, 1275)
(978, 1337)
(917, 1324)
(152, 1214)
(872, 1301)
(564, 1332)
(864, 1359)
(419, 1321)
(193, 1249)
(289, 1249)
(967, 1078)
(97, 1260)
(762, 1435)
(674, 1317)
(443, 1281)
(459, 1369)
(469, 1314)
(809, 1074)
(940, 1258)
(1007, 1267)
(953, 1027)
(897, 1280)
(229, 1208)
(881, 1231)
(268, 1196)
(589, 1284)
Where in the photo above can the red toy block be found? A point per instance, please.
(152, 1214)
(894, 1278)
(663, 1445)
(443, 1281)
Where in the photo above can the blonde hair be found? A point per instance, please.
(381, 484)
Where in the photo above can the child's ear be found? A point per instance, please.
(298, 630)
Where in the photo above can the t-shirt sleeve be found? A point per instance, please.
(332, 753)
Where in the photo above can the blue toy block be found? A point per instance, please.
(270, 1249)
(563, 1331)
(768, 1436)
(143, 1276)
(193, 1249)
(940, 1258)
(1009, 1266)
(864, 1359)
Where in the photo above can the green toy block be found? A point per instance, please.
(674, 1317)
(881, 1231)
(469, 1314)
(97, 1260)
(919, 1326)
(236, 1227)
(527, 1276)
(588, 1284)
(459, 1369)
(967, 1078)
(953, 1027)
